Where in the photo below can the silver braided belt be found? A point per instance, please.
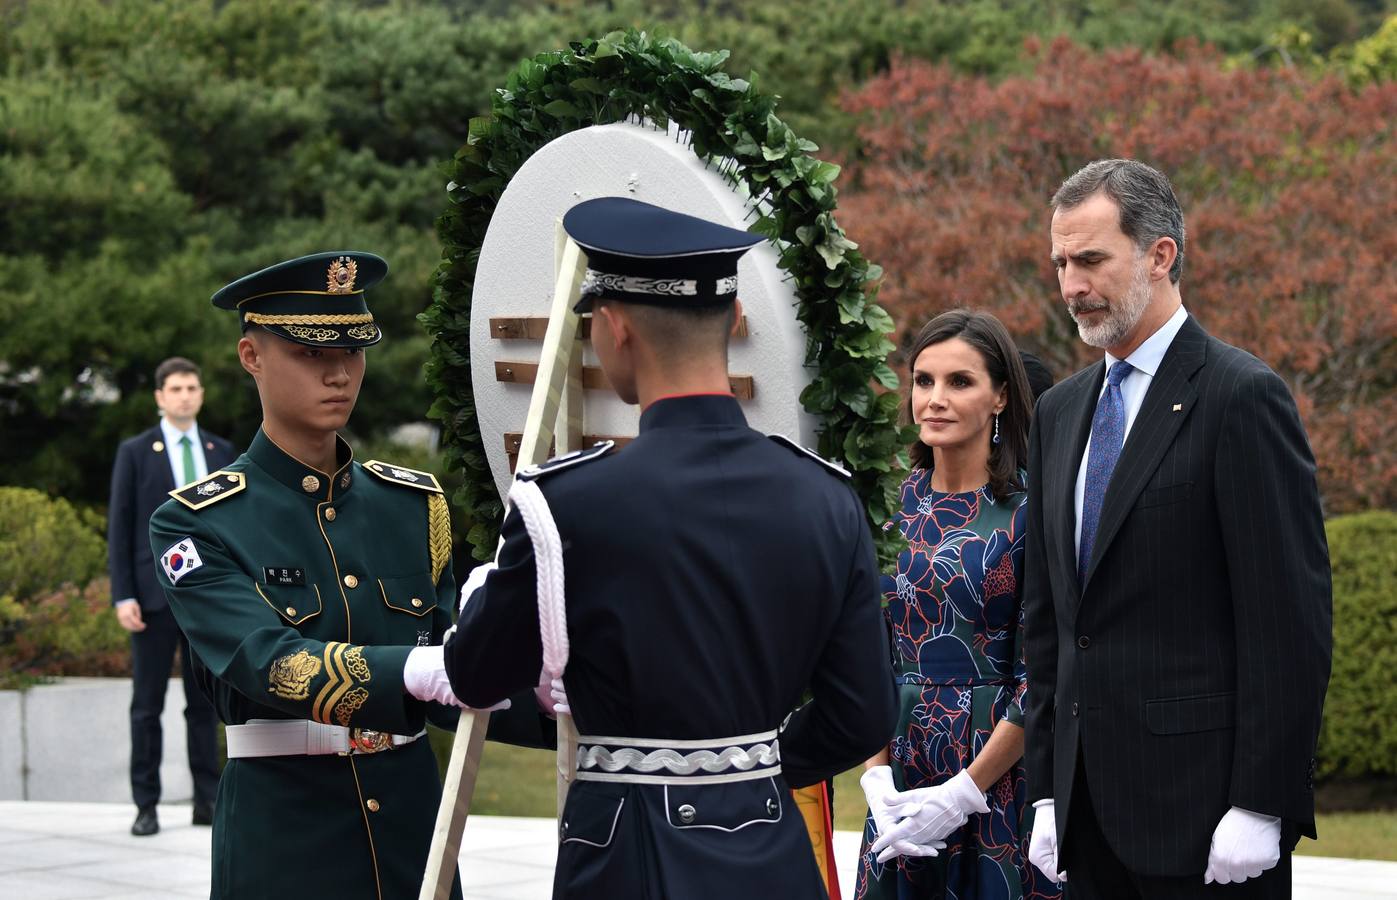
(667, 761)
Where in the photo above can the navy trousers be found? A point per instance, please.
(152, 660)
(1095, 873)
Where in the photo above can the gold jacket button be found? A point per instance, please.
(330, 514)
(372, 804)
(310, 484)
(416, 603)
(350, 581)
(291, 611)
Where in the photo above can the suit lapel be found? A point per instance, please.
(1077, 414)
(1167, 404)
(160, 459)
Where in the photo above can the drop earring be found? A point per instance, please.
(995, 439)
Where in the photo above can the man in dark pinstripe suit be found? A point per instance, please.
(1177, 595)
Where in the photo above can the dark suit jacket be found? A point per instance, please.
(1190, 667)
(141, 481)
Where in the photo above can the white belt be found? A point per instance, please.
(302, 737)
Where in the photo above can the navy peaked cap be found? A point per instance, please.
(641, 253)
(317, 300)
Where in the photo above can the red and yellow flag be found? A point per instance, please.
(813, 803)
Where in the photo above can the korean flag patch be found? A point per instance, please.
(181, 559)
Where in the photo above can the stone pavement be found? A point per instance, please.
(76, 851)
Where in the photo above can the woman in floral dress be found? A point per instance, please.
(947, 815)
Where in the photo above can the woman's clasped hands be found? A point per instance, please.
(916, 822)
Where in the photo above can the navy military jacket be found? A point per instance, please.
(713, 576)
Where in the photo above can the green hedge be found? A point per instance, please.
(55, 609)
(1359, 736)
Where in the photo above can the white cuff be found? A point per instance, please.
(968, 795)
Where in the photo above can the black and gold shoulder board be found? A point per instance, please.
(566, 461)
(423, 481)
(787, 442)
(218, 486)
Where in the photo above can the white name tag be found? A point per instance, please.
(181, 559)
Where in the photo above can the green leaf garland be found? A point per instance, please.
(734, 127)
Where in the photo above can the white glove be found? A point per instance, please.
(929, 814)
(1245, 844)
(552, 698)
(877, 784)
(1042, 844)
(474, 581)
(424, 677)
(878, 788)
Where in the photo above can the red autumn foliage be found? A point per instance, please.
(1288, 183)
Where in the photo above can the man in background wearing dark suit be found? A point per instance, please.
(1177, 593)
(148, 467)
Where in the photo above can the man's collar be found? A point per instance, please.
(299, 477)
(173, 434)
(692, 409)
(1150, 353)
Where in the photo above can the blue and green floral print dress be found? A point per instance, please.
(957, 624)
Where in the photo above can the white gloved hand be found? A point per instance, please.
(474, 581)
(878, 788)
(877, 784)
(552, 697)
(1245, 844)
(1042, 844)
(424, 677)
(931, 813)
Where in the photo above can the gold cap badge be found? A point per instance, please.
(340, 278)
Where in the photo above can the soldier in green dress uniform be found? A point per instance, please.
(316, 590)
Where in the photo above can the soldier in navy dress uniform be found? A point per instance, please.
(712, 576)
(316, 590)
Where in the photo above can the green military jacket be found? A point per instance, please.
(302, 593)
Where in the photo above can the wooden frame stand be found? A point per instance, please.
(555, 415)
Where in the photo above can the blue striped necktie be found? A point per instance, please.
(1107, 436)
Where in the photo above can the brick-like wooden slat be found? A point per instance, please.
(593, 379)
(532, 328)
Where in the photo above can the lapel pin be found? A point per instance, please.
(1178, 407)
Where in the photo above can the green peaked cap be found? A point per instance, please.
(316, 300)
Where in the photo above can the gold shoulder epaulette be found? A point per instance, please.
(423, 481)
(216, 487)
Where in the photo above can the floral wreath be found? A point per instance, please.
(732, 125)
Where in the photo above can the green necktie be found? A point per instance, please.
(189, 471)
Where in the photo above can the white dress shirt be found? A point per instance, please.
(176, 453)
(1145, 362)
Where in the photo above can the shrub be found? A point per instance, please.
(1359, 735)
(54, 611)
